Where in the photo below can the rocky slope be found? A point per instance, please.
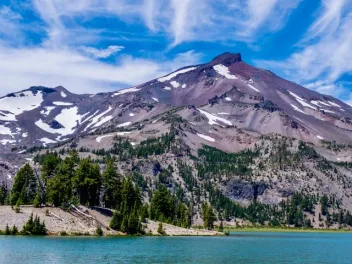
(226, 104)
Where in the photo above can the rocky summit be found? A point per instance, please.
(220, 129)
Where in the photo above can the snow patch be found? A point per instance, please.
(11, 106)
(206, 137)
(99, 119)
(62, 103)
(167, 88)
(5, 141)
(228, 99)
(46, 140)
(47, 110)
(328, 111)
(212, 118)
(223, 113)
(334, 104)
(175, 84)
(319, 137)
(298, 119)
(319, 103)
(252, 87)
(131, 114)
(224, 71)
(128, 90)
(68, 118)
(98, 139)
(124, 124)
(103, 120)
(184, 86)
(63, 94)
(301, 100)
(5, 131)
(123, 133)
(25, 135)
(297, 109)
(155, 99)
(174, 74)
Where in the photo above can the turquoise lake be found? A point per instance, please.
(236, 248)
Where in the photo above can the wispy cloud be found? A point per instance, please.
(182, 21)
(324, 51)
(258, 17)
(21, 68)
(9, 24)
(102, 53)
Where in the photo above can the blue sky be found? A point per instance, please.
(102, 45)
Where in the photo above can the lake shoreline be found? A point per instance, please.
(284, 230)
(85, 221)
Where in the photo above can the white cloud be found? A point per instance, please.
(102, 53)
(21, 68)
(263, 16)
(324, 51)
(182, 21)
(9, 26)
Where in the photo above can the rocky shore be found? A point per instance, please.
(84, 221)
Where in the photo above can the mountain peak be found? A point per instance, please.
(227, 58)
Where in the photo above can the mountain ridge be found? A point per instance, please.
(222, 129)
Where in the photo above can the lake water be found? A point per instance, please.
(237, 248)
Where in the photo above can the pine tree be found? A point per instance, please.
(87, 182)
(111, 186)
(7, 230)
(99, 231)
(14, 230)
(24, 187)
(37, 200)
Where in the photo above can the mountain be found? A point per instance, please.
(277, 137)
(247, 97)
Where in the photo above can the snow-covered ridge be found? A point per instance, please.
(174, 74)
(224, 71)
(11, 106)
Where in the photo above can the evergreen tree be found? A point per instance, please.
(24, 187)
(60, 186)
(111, 186)
(162, 206)
(7, 230)
(14, 230)
(208, 216)
(87, 182)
